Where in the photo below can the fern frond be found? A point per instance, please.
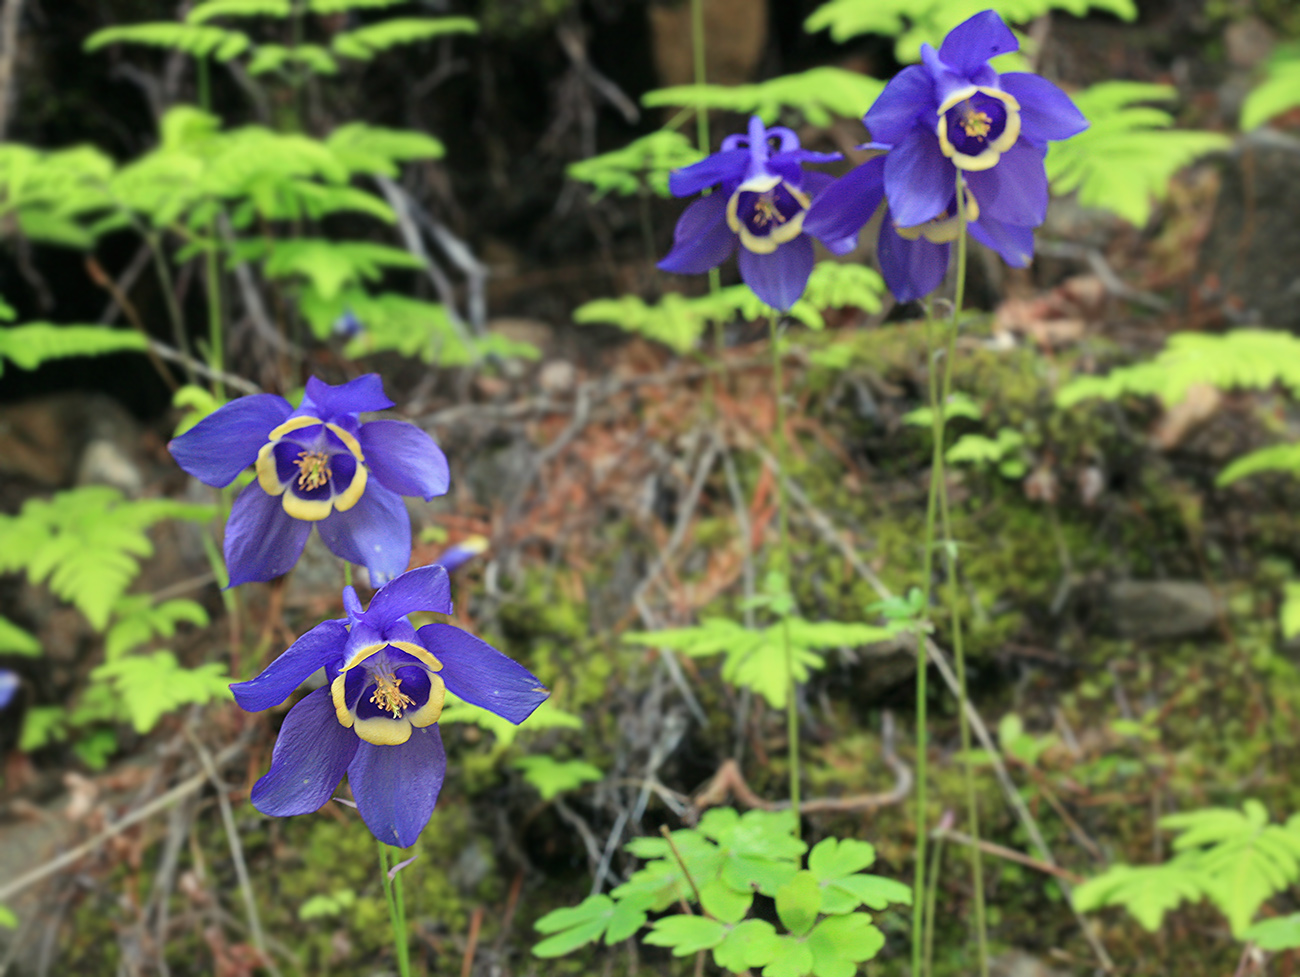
(1250, 358)
(273, 57)
(843, 285)
(1274, 458)
(52, 195)
(915, 22)
(1126, 157)
(30, 345)
(343, 6)
(137, 619)
(364, 43)
(374, 150)
(149, 687)
(817, 94)
(196, 40)
(644, 162)
(86, 544)
(1279, 91)
(329, 266)
(209, 9)
(15, 641)
(1146, 891)
(678, 321)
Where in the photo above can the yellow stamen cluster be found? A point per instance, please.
(313, 469)
(389, 697)
(976, 124)
(767, 211)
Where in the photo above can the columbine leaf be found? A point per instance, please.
(840, 943)
(725, 903)
(751, 943)
(574, 927)
(686, 935)
(790, 957)
(798, 902)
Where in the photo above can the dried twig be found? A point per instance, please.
(1010, 854)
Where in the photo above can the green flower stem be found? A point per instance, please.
(927, 587)
(954, 608)
(783, 522)
(936, 860)
(396, 912)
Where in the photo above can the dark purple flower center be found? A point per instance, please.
(762, 213)
(975, 122)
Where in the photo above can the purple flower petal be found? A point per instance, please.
(779, 278)
(351, 603)
(919, 179)
(1046, 112)
(404, 458)
(224, 443)
(8, 686)
(846, 205)
(1013, 242)
(422, 589)
(479, 674)
(702, 239)
(374, 533)
(457, 556)
(975, 41)
(323, 400)
(908, 100)
(726, 167)
(1015, 190)
(310, 757)
(317, 648)
(396, 787)
(912, 269)
(262, 540)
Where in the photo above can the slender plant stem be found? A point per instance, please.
(697, 53)
(396, 912)
(783, 522)
(936, 859)
(919, 919)
(954, 607)
(169, 297)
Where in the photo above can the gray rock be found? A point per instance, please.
(104, 462)
(1017, 963)
(1160, 608)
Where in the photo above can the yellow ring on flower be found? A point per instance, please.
(787, 231)
(992, 152)
(310, 510)
(942, 229)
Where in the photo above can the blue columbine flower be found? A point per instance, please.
(8, 687)
(317, 465)
(953, 113)
(376, 719)
(761, 202)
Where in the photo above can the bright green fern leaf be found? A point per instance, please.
(1126, 157)
(1290, 614)
(331, 265)
(1274, 458)
(31, 345)
(817, 94)
(275, 57)
(364, 43)
(915, 22)
(86, 544)
(1147, 892)
(1250, 358)
(15, 641)
(836, 285)
(137, 619)
(370, 150)
(1279, 91)
(196, 40)
(209, 9)
(1275, 935)
(547, 716)
(149, 687)
(343, 6)
(642, 163)
(552, 777)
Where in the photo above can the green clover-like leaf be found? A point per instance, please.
(798, 902)
(686, 934)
